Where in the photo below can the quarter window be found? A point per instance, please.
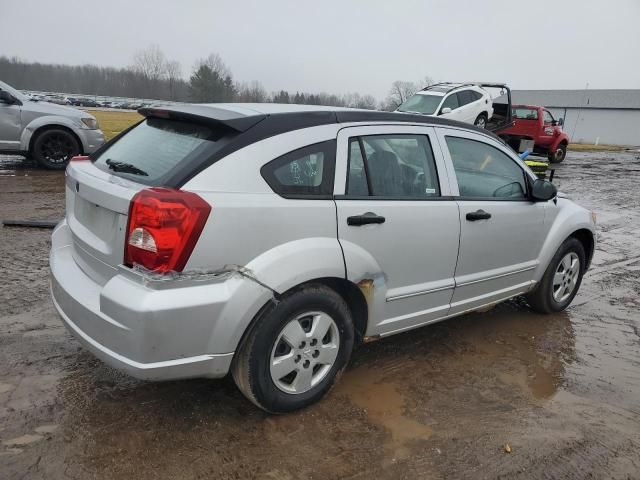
(304, 172)
(483, 171)
(392, 166)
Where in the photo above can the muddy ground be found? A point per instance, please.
(562, 391)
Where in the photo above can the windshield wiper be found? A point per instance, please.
(125, 168)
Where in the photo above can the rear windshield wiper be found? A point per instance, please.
(125, 167)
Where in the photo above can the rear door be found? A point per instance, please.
(467, 109)
(501, 229)
(10, 126)
(397, 224)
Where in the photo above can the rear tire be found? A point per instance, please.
(561, 281)
(54, 147)
(287, 362)
(559, 154)
(481, 121)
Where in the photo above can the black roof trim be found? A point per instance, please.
(206, 115)
(249, 129)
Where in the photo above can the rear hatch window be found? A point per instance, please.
(158, 149)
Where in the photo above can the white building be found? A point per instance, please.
(609, 117)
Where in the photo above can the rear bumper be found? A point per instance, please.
(151, 333)
(213, 366)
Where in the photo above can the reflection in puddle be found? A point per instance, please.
(384, 406)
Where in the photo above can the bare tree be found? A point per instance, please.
(425, 82)
(151, 63)
(252, 92)
(215, 63)
(173, 71)
(400, 92)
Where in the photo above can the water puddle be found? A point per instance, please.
(384, 405)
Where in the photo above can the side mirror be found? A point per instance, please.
(6, 97)
(543, 190)
(445, 110)
(561, 122)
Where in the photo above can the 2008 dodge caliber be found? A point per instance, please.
(267, 240)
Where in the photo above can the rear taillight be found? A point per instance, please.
(79, 158)
(163, 227)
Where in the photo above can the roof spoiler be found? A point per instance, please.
(211, 116)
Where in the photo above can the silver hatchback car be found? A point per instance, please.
(268, 240)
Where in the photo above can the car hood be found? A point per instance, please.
(47, 108)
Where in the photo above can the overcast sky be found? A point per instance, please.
(341, 46)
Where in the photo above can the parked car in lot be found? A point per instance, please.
(49, 133)
(465, 102)
(57, 99)
(535, 129)
(268, 240)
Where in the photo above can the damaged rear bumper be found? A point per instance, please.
(153, 330)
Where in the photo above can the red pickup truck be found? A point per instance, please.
(535, 129)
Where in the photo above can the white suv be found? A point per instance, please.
(465, 102)
(267, 240)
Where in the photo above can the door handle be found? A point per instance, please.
(478, 215)
(364, 219)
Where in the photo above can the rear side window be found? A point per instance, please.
(392, 166)
(306, 172)
(155, 148)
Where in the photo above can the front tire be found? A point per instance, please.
(559, 154)
(54, 147)
(561, 280)
(296, 350)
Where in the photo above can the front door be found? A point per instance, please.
(397, 224)
(10, 126)
(501, 229)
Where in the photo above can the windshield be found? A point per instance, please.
(154, 148)
(424, 104)
(12, 91)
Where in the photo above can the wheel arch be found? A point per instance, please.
(41, 124)
(349, 291)
(561, 140)
(571, 222)
(587, 239)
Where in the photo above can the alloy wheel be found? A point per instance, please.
(304, 352)
(57, 148)
(566, 277)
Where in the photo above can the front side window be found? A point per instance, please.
(547, 117)
(483, 171)
(304, 172)
(451, 102)
(392, 166)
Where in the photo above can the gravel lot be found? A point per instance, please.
(562, 391)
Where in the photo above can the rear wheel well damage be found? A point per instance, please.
(349, 291)
(355, 300)
(586, 238)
